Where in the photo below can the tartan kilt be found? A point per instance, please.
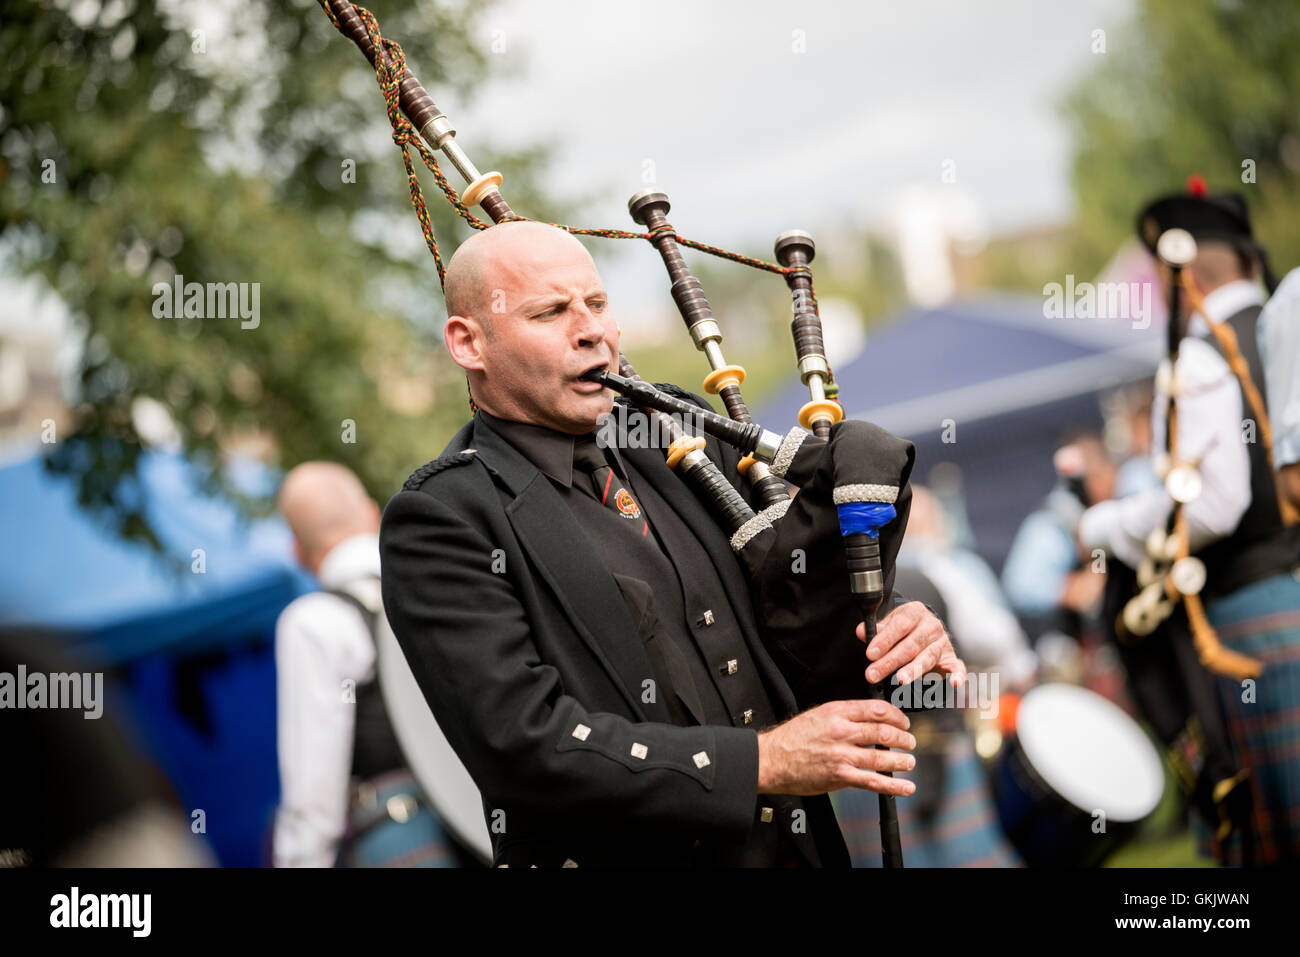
(1263, 620)
(963, 833)
(390, 824)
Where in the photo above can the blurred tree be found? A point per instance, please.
(1208, 86)
(1022, 261)
(235, 143)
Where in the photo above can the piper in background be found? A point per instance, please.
(346, 795)
(1213, 541)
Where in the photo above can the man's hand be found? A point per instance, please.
(912, 641)
(832, 746)
(1082, 548)
(1083, 590)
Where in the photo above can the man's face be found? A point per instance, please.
(1099, 473)
(548, 322)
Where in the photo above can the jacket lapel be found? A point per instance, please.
(566, 560)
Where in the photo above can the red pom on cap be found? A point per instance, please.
(1196, 186)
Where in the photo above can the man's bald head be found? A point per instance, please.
(527, 316)
(479, 265)
(324, 504)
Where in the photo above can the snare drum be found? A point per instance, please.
(444, 779)
(1077, 778)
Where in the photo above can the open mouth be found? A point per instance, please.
(592, 373)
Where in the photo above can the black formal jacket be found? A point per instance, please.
(533, 665)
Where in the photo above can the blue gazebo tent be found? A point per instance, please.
(193, 649)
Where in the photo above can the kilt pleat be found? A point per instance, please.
(1263, 620)
(964, 832)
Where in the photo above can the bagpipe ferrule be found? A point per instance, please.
(813, 365)
(768, 444)
(867, 583)
(438, 130)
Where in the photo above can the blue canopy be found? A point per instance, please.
(988, 385)
(118, 601)
(193, 649)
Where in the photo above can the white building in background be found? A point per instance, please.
(843, 330)
(38, 356)
(927, 224)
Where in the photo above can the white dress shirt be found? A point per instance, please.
(1279, 348)
(323, 650)
(1210, 418)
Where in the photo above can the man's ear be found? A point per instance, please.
(1198, 280)
(464, 338)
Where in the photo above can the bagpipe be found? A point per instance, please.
(845, 525)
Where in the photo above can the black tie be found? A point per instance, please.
(605, 484)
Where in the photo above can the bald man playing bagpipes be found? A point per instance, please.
(629, 682)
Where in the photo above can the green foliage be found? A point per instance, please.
(1189, 87)
(221, 157)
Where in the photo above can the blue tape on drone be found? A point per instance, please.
(865, 517)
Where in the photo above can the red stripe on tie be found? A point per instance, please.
(645, 527)
(608, 478)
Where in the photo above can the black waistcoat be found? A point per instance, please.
(375, 749)
(1260, 546)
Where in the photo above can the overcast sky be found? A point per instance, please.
(750, 137)
(761, 116)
